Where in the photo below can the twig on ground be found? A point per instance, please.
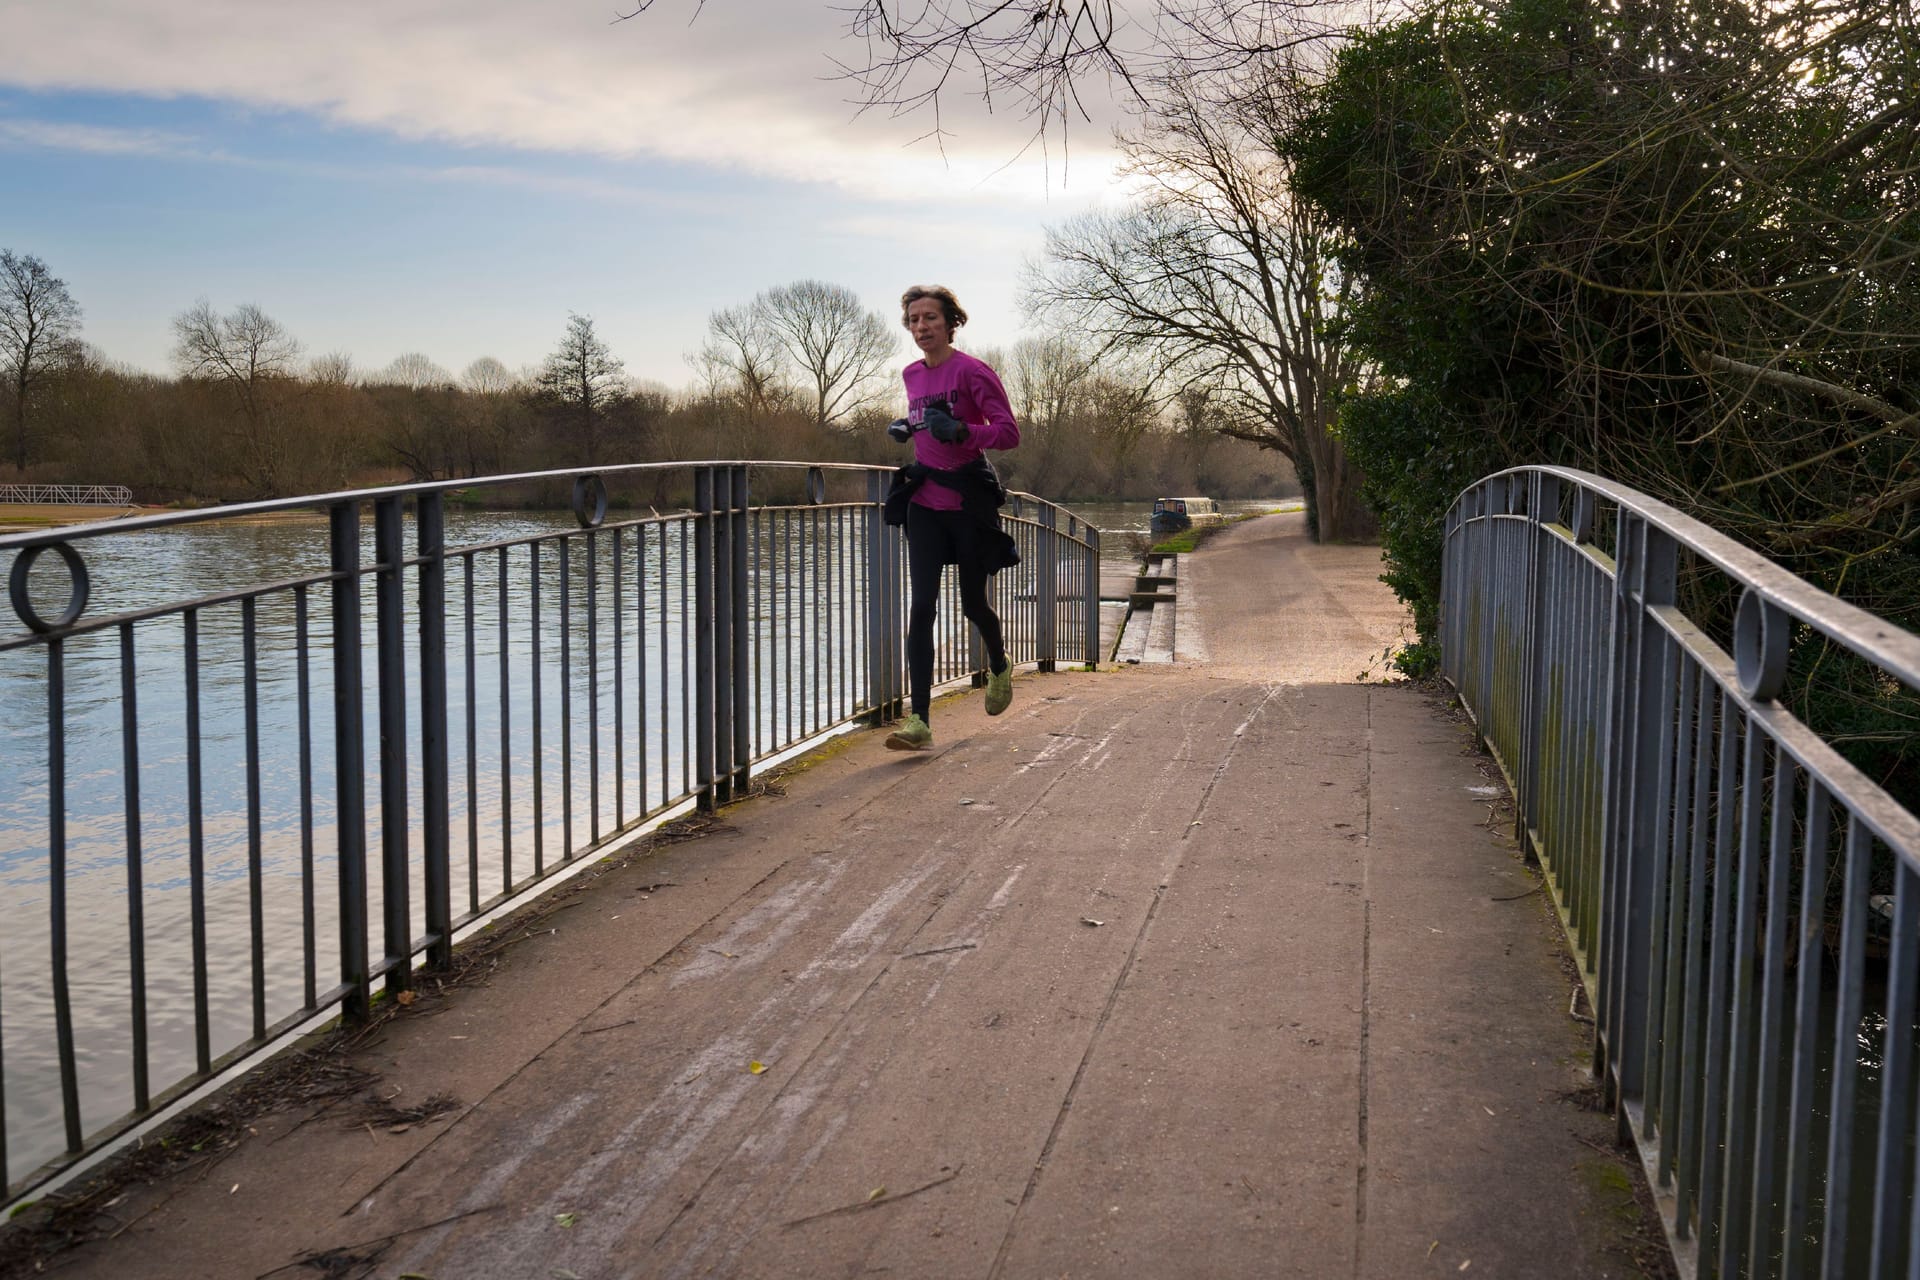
(858, 1205)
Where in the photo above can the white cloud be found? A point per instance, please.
(747, 86)
(98, 139)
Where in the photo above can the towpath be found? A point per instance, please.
(1214, 968)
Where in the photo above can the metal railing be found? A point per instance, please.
(279, 793)
(1745, 903)
(85, 495)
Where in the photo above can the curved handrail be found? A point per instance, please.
(1655, 774)
(1866, 634)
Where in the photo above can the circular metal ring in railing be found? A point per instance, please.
(589, 501)
(1760, 635)
(78, 587)
(816, 487)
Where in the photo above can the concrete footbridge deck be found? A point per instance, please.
(1224, 966)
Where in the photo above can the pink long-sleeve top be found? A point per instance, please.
(973, 394)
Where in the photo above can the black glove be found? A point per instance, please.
(946, 428)
(902, 430)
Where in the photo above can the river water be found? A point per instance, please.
(147, 569)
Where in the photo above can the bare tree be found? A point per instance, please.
(1048, 380)
(250, 353)
(1222, 279)
(1050, 61)
(841, 348)
(487, 377)
(414, 371)
(39, 332)
(741, 361)
(585, 380)
(331, 369)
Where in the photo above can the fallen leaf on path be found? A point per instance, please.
(876, 1193)
(1090, 922)
(406, 997)
(756, 1067)
(566, 1219)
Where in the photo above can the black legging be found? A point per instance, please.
(936, 539)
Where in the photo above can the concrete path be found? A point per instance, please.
(1206, 970)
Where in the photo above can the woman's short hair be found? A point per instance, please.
(949, 305)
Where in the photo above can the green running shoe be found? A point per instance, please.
(1000, 689)
(911, 735)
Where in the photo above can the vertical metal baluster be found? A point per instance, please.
(1764, 1210)
(538, 716)
(303, 686)
(719, 642)
(619, 687)
(1046, 590)
(787, 616)
(1892, 1204)
(876, 572)
(688, 622)
(1797, 1227)
(734, 605)
(1731, 1246)
(136, 893)
(742, 735)
(803, 606)
(396, 890)
(566, 698)
(349, 757)
(436, 822)
(757, 525)
(1090, 570)
(1726, 878)
(57, 894)
(473, 744)
(667, 682)
(1694, 1028)
(831, 683)
(196, 866)
(1671, 978)
(256, 907)
(695, 628)
(819, 629)
(506, 735)
(593, 689)
(1655, 904)
(1855, 886)
(640, 658)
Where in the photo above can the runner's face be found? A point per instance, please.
(928, 325)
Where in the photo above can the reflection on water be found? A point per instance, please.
(295, 775)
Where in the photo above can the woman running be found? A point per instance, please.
(949, 498)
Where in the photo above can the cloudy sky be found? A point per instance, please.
(385, 176)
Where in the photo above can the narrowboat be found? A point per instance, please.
(1171, 515)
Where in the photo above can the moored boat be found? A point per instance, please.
(1171, 515)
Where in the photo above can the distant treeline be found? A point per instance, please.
(249, 416)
